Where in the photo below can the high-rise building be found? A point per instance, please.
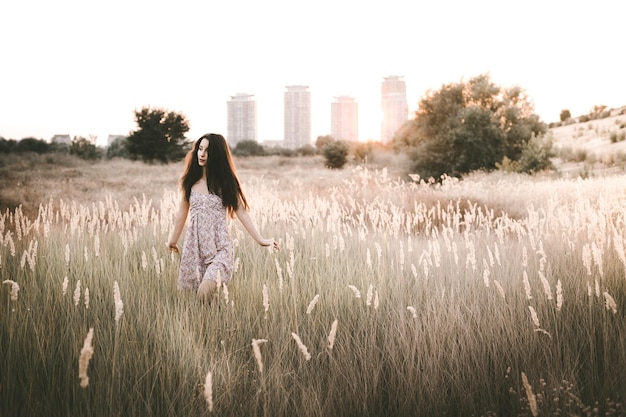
(394, 106)
(344, 119)
(241, 119)
(297, 116)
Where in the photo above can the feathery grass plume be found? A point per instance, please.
(546, 285)
(119, 305)
(144, 260)
(86, 298)
(436, 253)
(266, 300)
(15, 288)
(357, 293)
(67, 254)
(587, 258)
(96, 246)
(532, 400)
(86, 254)
(257, 352)
(332, 334)
(327, 250)
(376, 300)
(486, 273)
(589, 290)
(279, 272)
(609, 302)
(83, 361)
(497, 252)
(527, 286)
(597, 289)
(368, 259)
(312, 304)
(77, 291)
(490, 254)
(8, 240)
(596, 253)
(618, 244)
(218, 279)
(414, 271)
(208, 390)
(413, 311)
(559, 295)
(533, 316)
(499, 287)
(370, 295)
(425, 265)
(226, 294)
(301, 346)
(524, 256)
(379, 251)
(65, 284)
(471, 254)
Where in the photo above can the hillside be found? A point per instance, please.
(595, 145)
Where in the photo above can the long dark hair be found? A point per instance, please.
(220, 172)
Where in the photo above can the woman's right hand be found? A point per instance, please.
(173, 247)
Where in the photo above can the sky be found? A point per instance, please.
(82, 68)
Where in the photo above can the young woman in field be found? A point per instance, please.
(211, 192)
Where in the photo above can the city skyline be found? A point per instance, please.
(84, 68)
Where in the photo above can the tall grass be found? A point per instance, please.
(490, 296)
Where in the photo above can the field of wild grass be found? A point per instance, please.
(496, 295)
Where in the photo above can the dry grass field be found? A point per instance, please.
(497, 295)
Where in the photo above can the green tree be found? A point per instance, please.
(336, 154)
(85, 148)
(32, 145)
(160, 136)
(118, 149)
(565, 115)
(468, 126)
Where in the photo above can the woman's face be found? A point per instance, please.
(203, 152)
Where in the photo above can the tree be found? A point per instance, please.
(322, 141)
(468, 126)
(160, 136)
(118, 149)
(32, 145)
(85, 149)
(336, 154)
(565, 115)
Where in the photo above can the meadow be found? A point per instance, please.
(497, 295)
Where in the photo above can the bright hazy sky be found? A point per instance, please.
(83, 67)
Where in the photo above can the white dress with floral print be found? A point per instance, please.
(208, 248)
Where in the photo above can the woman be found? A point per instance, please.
(210, 192)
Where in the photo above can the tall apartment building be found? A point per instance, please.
(344, 119)
(297, 116)
(241, 123)
(395, 110)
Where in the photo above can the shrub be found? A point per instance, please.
(536, 156)
(249, 148)
(85, 149)
(336, 154)
(306, 150)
